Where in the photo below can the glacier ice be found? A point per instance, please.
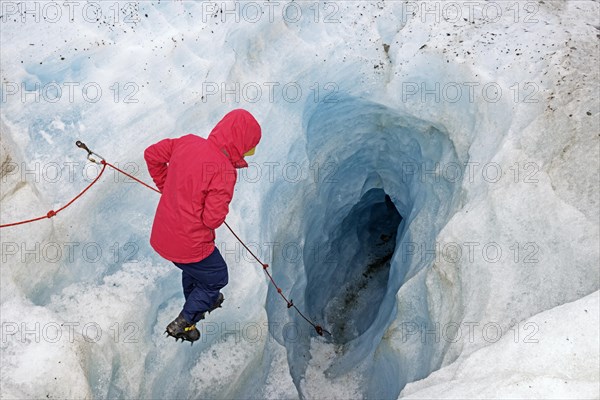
(416, 306)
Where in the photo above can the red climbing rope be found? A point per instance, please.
(290, 303)
(100, 160)
(129, 176)
(52, 213)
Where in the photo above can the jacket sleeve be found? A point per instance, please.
(220, 193)
(157, 158)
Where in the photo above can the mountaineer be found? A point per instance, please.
(196, 177)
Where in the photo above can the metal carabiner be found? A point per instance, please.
(93, 157)
(100, 159)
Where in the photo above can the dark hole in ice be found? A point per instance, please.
(369, 233)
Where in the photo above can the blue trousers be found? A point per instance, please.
(202, 282)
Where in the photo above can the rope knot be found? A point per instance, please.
(279, 290)
(265, 266)
(290, 304)
(319, 330)
(51, 214)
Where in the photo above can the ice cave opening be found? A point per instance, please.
(384, 199)
(359, 279)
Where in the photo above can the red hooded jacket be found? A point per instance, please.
(196, 177)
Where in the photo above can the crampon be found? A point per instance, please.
(182, 330)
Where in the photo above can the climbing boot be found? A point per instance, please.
(217, 304)
(179, 328)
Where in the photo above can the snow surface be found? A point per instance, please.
(421, 306)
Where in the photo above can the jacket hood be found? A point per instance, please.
(236, 134)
